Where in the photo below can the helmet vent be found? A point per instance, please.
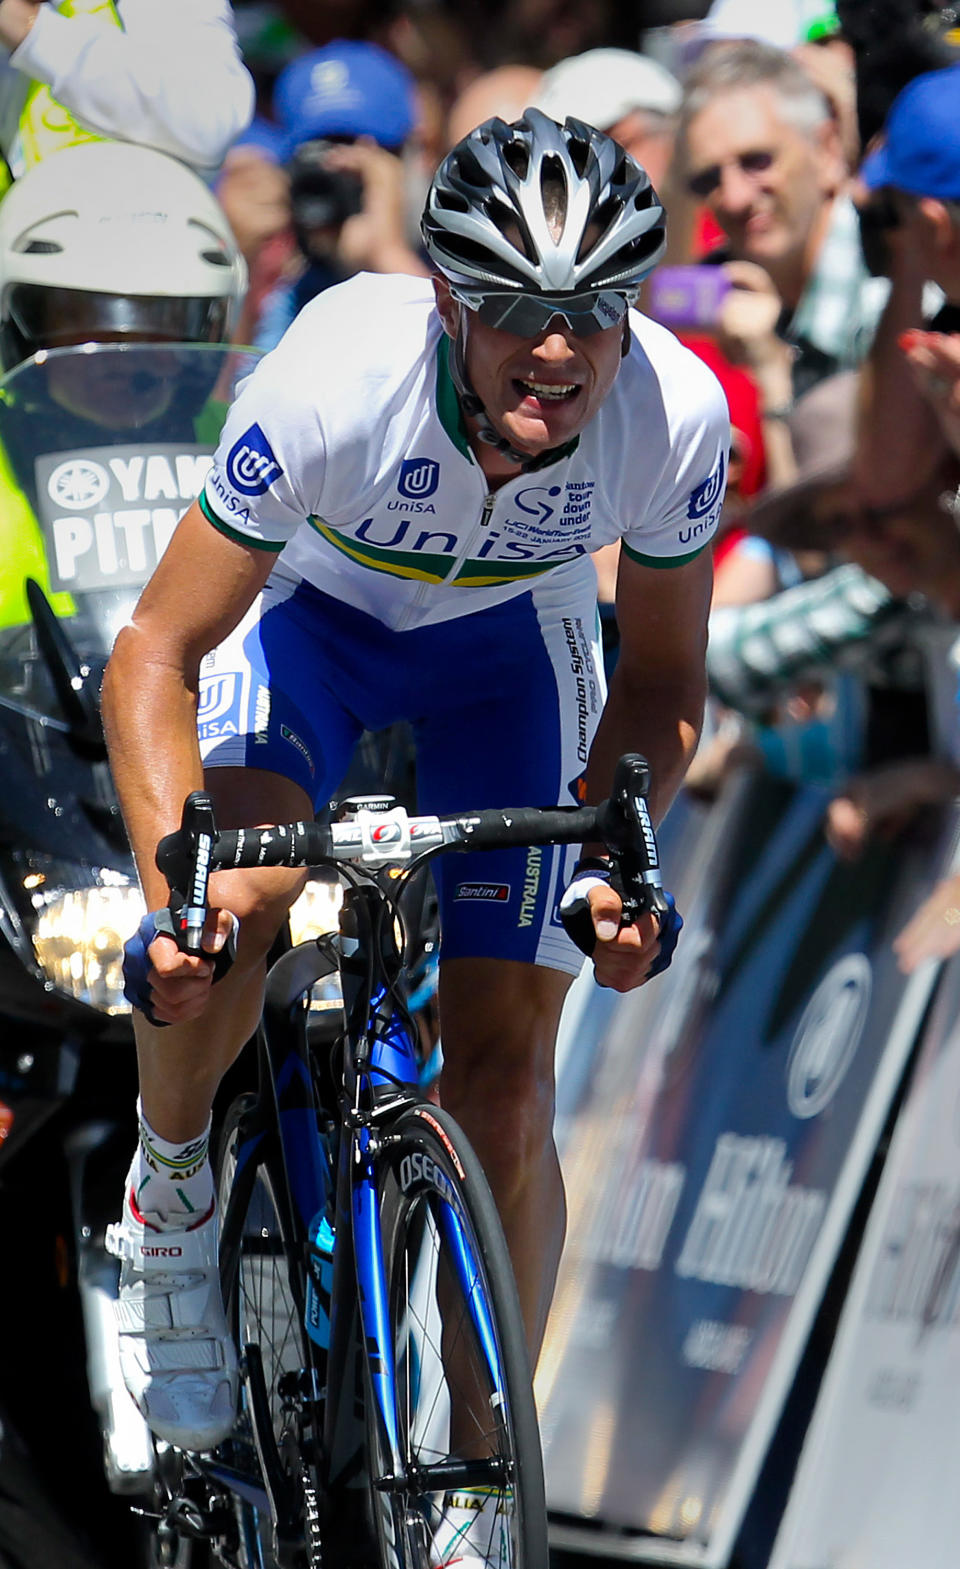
(469, 252)
(579, 151)
(214, 250)
(452, 201)
(517, 157)
(553, 194)
(606, 215)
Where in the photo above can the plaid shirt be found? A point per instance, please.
(844, 621)
(834, 323)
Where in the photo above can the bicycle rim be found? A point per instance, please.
(459, 1414)
(263, 1284)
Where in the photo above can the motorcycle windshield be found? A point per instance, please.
(102, 449)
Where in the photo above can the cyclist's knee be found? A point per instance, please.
(506, 1107)
(259, 897)
(260, 901)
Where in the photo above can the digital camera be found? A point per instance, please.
(321, 198)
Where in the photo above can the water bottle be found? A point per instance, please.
(319, 1280)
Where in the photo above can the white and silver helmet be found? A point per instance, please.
(539, 208)
(111, 240)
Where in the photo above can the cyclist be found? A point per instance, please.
(435, 465)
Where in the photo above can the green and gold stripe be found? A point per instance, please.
(425, 566)
(235, 533)
(492, 574)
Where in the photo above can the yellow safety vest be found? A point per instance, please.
(46, 127)
(22, 553)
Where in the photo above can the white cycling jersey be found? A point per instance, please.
(346, 450)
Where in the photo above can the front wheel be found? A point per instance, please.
(263, 1276)
(454, 1441)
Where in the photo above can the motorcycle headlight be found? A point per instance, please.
(82, 916)
(79, 931)
(314, 913)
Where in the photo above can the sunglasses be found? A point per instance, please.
(708, 180)
(528, 315)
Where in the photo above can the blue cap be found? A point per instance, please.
(921, 150)
(346, 89)
(265, 137)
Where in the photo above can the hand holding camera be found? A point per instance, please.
(736, 302)
(747, 326)
(347, 200)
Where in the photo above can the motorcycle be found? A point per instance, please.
(102, 448)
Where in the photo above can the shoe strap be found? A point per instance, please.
(162, 1252)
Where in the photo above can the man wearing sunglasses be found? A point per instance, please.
(398, 524)
(761, 147)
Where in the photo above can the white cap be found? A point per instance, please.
(776, 22)
(603, 85)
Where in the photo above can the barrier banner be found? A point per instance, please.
(877, 1479)
(715, 1130)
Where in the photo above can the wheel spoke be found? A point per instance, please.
(458, 1383)
(263, 1306)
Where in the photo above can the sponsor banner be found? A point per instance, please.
(714, 1139)
(107, 513)
(876, 1484)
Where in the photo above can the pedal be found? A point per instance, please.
(184, 1517)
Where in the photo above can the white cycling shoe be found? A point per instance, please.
(472, 1533)
(177, 1357)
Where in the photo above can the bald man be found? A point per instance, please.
(505, 91)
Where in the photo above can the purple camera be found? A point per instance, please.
(686, 297)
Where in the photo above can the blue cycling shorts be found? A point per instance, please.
(503, 703)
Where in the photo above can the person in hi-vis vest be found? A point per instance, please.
(165, 74)
(171, 273)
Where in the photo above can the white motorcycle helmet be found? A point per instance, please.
(108, 241)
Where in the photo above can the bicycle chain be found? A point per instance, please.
(313, 1538)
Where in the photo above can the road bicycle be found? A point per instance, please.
(364, 1271)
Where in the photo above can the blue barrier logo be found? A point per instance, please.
(251, 464)
(419, 477)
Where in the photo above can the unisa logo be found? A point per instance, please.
(419, 477)
(251, 465)
(709, 494)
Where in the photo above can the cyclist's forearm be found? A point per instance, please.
(149, 712)
(662, 722)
